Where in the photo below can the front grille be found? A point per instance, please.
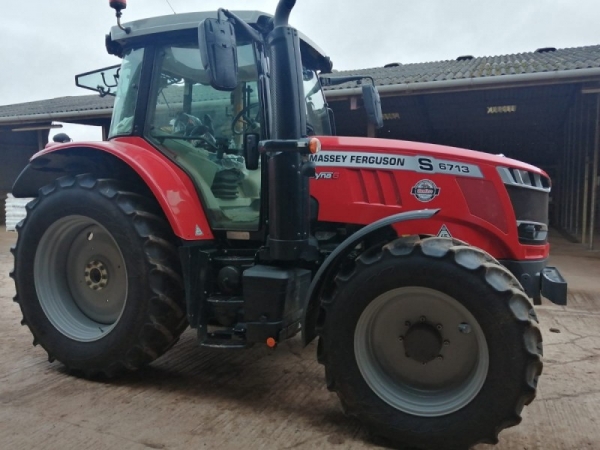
(529, 194)
(529, 205)
(524, 178)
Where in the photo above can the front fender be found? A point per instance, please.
(331, 265)
(126, 159)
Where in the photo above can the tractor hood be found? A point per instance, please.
(388, 147)
(483, 199)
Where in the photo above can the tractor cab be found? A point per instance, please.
(164, 94)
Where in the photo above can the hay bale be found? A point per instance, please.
(14, 211)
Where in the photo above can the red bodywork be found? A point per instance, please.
(475, 207)
(171, 186)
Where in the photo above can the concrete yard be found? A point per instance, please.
(194, 398)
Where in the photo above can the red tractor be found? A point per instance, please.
(222, 201)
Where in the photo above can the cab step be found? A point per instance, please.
(224, 339)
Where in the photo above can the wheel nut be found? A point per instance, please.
(464, 328)
(446, 342)
(439, 326)
(440, 358)
(400, 338)
(423, 318)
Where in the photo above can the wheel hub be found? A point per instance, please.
(423, 342)
(96, 275)
(80, 278)
(395, 344)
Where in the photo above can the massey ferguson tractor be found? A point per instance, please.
(223, 201)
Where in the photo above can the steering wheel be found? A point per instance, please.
(244, 116)
(192, 129)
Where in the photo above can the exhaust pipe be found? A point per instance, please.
(289, 212)
(289, 109)
(282, 13)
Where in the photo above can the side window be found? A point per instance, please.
(317, 114)
(203, 128)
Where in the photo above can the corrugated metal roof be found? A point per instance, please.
(480, 67)
(500, 67)
(58, 105)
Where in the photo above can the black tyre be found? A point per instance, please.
(97, 276)
(431, 344)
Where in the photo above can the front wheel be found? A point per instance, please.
(97, 276)
(431, 344)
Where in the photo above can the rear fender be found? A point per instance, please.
(331, 265)
(134, 161)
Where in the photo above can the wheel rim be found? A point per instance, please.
(80, 278)
(421, 351)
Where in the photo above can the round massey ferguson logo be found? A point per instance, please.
(425, 190)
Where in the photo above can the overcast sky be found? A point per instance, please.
(43, 43)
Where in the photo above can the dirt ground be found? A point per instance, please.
(262, 399)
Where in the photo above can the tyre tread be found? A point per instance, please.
(165, 316)
(496, 276)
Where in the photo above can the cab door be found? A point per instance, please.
(202, 130)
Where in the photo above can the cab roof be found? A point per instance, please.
(142, 28)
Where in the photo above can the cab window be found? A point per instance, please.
(203, 129)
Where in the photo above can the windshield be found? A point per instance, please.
(127, 93)
(317, 113)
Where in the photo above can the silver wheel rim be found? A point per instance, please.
(80, 278)
(440, 386)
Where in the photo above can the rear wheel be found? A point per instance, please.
(97, 276)
(431, 344)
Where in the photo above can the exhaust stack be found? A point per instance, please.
(289, 213)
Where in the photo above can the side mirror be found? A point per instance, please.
(104, 81)
(251, 151)
(219, 53)
(372, 103)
